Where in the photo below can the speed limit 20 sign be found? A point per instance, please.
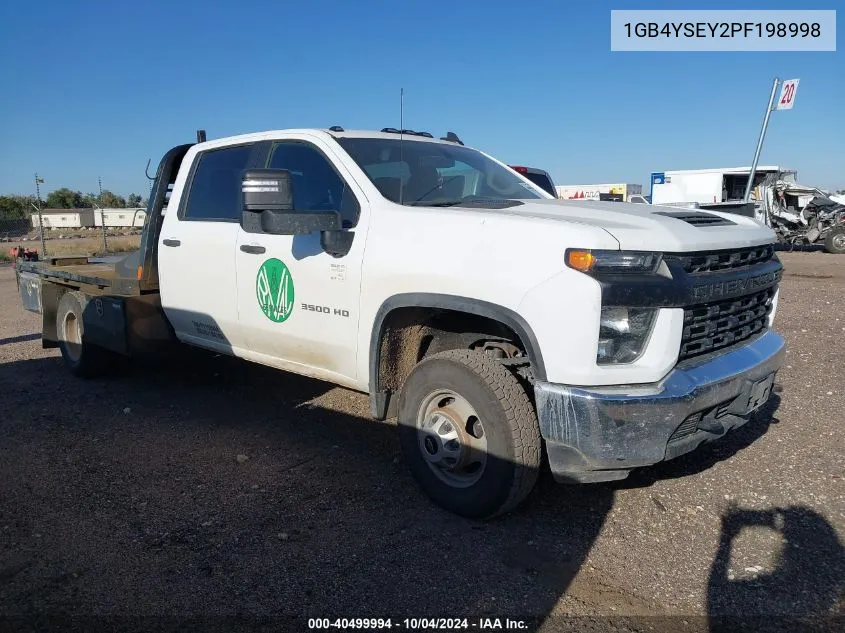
(787, 94)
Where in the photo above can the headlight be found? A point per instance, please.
(623, 334)
(589, 261)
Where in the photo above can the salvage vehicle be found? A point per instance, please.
(802, 215)
(396, 265)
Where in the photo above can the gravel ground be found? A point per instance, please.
(208, 487)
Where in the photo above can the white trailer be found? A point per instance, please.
(610, 191)
(64, 218)
(133, 217)
(713, 186)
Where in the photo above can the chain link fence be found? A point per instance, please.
(71, 232)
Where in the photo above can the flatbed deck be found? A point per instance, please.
(97, 275)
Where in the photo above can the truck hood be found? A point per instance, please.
(652, 227)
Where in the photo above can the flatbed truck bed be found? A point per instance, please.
(119, 296)
(76, 271)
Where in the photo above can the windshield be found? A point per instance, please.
(419, 173)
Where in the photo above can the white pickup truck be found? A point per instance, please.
(497, 324)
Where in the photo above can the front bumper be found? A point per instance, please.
(600, 434)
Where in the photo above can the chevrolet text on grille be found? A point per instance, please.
(734, 287)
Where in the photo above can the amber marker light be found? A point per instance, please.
(580, 260)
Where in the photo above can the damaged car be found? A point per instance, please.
(800, 214)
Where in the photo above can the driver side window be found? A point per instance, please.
(316, 184)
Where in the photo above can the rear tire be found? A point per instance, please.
(469, 433)
(81, 357)
(835, 241)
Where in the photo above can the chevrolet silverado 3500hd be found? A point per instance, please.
(496, 323)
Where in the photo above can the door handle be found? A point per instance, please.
(253, 249)
(170, 242)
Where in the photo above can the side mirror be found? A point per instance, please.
(269, 192)
(336, 243)
(299, 222)
(267, 189)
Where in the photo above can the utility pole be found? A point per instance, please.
(769, 109)
(38, 182)
(102, 214)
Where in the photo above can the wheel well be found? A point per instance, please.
(409, 334)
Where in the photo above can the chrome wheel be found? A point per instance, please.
(839, 241)
(452, 438)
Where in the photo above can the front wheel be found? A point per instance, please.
(835, 240)
(469, 433)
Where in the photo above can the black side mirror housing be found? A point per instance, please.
(267, 189)
(269, 194)
(336, 243)
(299, 222)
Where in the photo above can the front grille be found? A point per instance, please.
(722, 260)
(712, 326)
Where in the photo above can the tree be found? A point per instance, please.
(16, 207)
(109, 200)
(64, 198)
(134, 200)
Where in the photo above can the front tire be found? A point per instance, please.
(81, 357)
(835, 241)
(469, 433)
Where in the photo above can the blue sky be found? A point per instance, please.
(96, 88)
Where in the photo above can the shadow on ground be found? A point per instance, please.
(204, 486)
(20, 339)
(228, 488)
(801, 588)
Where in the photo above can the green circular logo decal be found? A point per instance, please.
(274, 290)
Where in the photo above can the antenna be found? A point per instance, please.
(401, 130)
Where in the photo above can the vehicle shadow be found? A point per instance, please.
(20, 339)
(207, 488)
(802, 586)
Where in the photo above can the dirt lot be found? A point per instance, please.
(126, 497)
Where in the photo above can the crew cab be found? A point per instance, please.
(496, 324)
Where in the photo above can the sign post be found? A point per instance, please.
(785, 102)
(40, 181)
(102, 215)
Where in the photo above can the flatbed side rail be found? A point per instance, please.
(64, 275)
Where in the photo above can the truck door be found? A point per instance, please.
(298, 305)
(197, 271)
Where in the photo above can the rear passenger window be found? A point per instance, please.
(542, 181)
(216, 185)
